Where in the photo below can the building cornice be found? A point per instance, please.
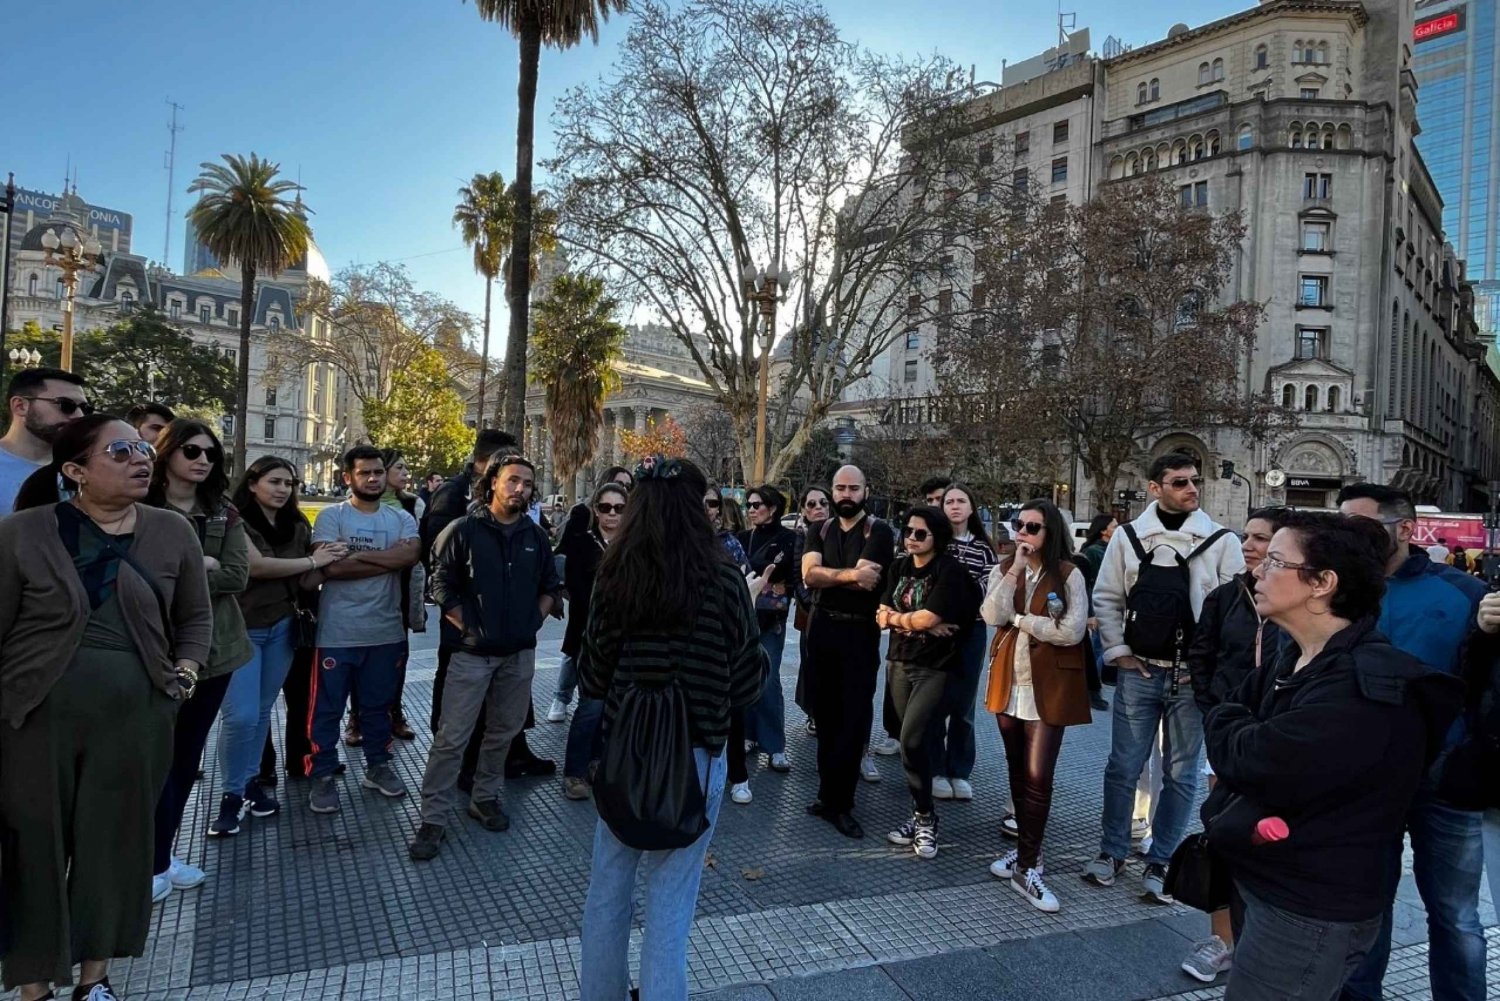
(1276, 8)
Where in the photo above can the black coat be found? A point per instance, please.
(1337, 750)
(583, 549)
(774, 546)
(448, 504)
(496, 578)
(1223, 650)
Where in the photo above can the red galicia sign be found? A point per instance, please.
(1435, 27)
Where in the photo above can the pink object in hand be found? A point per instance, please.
(1269, 829)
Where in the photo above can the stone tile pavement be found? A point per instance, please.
(302, 907)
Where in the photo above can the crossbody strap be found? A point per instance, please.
(134, 564)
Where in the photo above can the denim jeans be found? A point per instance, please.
(1492, 852)
(957, 759)
(1447, 860)
(567, 680)
(246, 713)
(1280, 955)
(1142, 704)
(765, 721)
(585, 737)
(672, 880)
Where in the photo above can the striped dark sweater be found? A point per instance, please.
(718, 659)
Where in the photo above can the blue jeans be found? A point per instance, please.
(672, 880)
(378, 672)
(585, 737)
(246, 713)
(567, 680)
(765, 721)
(957, 761)
(1448, 861)
(1142, 703)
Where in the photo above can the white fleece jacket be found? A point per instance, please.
(1118, 572)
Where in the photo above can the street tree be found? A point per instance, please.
(712, 442)
(422, 416)
(484, 217)
(560, 24)
(574, 350)
(732, 132)
(659, 437)
(243, 217)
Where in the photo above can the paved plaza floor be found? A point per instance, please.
(301, 907)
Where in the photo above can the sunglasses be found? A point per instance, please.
(1182, 481)
(1028, 527)
(816, 503)
(915, 534)
(610, 508)
(754, 505)
(711, 503)
(121, 450)
(66, 405)
(191, 453)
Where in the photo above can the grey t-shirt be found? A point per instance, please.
(367, 612)
(13, 472)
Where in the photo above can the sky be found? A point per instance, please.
(381, 107)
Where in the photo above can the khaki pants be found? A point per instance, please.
(502, 686)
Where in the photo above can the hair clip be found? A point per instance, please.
(657, 467)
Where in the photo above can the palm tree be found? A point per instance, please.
(561, 24)
(485, 216)
(577, 344)
(243, 217)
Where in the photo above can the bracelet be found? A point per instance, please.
(312, 564)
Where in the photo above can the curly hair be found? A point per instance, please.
(1351, 548)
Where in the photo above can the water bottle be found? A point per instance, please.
(1055, 606)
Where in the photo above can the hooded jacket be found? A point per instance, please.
(496, 574)
(1224, 648)
(1337, 750)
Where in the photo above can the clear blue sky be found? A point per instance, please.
(384, 106)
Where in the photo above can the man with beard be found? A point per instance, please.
(844, 566)
(41, 401)
(495, 581)
(361, 627)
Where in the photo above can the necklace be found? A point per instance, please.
(105, 525)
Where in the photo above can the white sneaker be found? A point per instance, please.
(740, 792)
(962, 790)
(779, 763)
(1034, 890)
(161, 888)
(1140, 829)
(941, 788)
(886, 746)
(557, 712)
(1005, 866)
(867, 769)
(184, 876)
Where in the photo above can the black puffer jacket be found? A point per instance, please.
(1224, 651)
(1337, 750)
(495, 574)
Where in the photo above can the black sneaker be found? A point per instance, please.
(489, 815)
(924, 840)
(227, 823)
(905, 834)
(262, 803)
(426, 845)
(530, 767)
(1103, 870)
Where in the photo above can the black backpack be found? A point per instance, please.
(1159, 608)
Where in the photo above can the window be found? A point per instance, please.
(913, 340)
(909, 371)
(1246, 138)
(1309, 93)
(1193, 195)
(127, 302)
(1313, 290)
(1333, 399)
(1316, 236)
(275, 322)
(205, 313)
(270, 429)
(1059, 133)
(31, 285)
(1316, 185)
(232, 316)
(1288, 396)
(913, 306)
(947, 266)
(1312, 342)
(1310, 398)
(1187, 312)
(1262, 57)
(175, 310)
(1218, 70)
(270, 396)
(1023, 143)
(227, 423)
(982, 195)
(1059, 170)
(232, 354)
(60, 289)
(986, 154)
(1204, 74)
(1020, 182)
(1155, 89)
(1057, 201)
(1140, 93)
(1320, 54)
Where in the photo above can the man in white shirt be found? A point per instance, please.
(41, 401)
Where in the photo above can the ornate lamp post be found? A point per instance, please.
(24, 357)
(70, 253)
(765, 290)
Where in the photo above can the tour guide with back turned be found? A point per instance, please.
(1156, 573)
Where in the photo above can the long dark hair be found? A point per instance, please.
(665, 556)
(249, 508)
(212, 491)
(975, 524)
(74, 441)
(1057, 550)
(1096, 529)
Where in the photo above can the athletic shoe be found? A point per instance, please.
(942, 788)
(1208, 959)
(1103, 870)
(1009, 827)
(779, 763)
(1153, 885)
(184, 876)
(426, 845)
(962, 790)
(924, 841)
(227, 823)
(575, 787)
(905, 834)
(886, 746)
(1140, 829)
(740, 793)
(811, 727)
(1004, 867)
(557, 712)
(352, 736)
(96, 992)
(325, 796)
(867, 769)
(384, 780)
(261, 803)
(1034, 890)
(161, 888)
(489, 815)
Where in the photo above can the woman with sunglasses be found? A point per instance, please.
(104, 624)
(929, 599)
(583, 551)
(282, 565)
(772, 551)
(1039, 602)
(817, 505)
(188, 478)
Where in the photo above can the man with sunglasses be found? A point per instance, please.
(1147, 598)
(1429, 611)
(41, 402)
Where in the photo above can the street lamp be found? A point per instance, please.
(24, 357)
(71, 254)
(765, 290)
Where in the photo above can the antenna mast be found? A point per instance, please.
(173, 128)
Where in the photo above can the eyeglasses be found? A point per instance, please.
(191, 452)
(1269, 563)
(1028, 527)
(66, 404)
(754, 505)
(1182, 481)
(816, 503)
(610, 508)
(915, 534)
(711, 502)
(120, 450)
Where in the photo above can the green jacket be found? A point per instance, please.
(223, 537)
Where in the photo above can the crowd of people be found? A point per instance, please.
(1333, 684)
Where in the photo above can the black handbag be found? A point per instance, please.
(647, 789)
(304, 629)
(1197, 875)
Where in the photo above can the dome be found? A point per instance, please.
(313, 263)
(1177, 29)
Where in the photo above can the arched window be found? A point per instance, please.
(1288, 396)
(1204, 74)
(1187, 311)
(1149, 160)
(1344, 137)
(1117, 168)
(1246, 137)
(1262, 57)
(1195, 148)
(1140, 93)
(127, 302)
(1179, 152)
(1310, 398)
(1213, 144)
(1155, 89)
(1322, 53)
(1333, 399)
(1328, 137)
(1218, 70)
(1296, 139)
(1312, 139)
(1297, 51)
(31, 285)
(1132, 165)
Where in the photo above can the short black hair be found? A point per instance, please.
(1353, 548)
(1164, 464)
(1392, 501)
(770, 495)
(28, 379)
(489, 441)
(1276, 516)
(362, 453)
(137, 414)
(937, 524)
(934, 483)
